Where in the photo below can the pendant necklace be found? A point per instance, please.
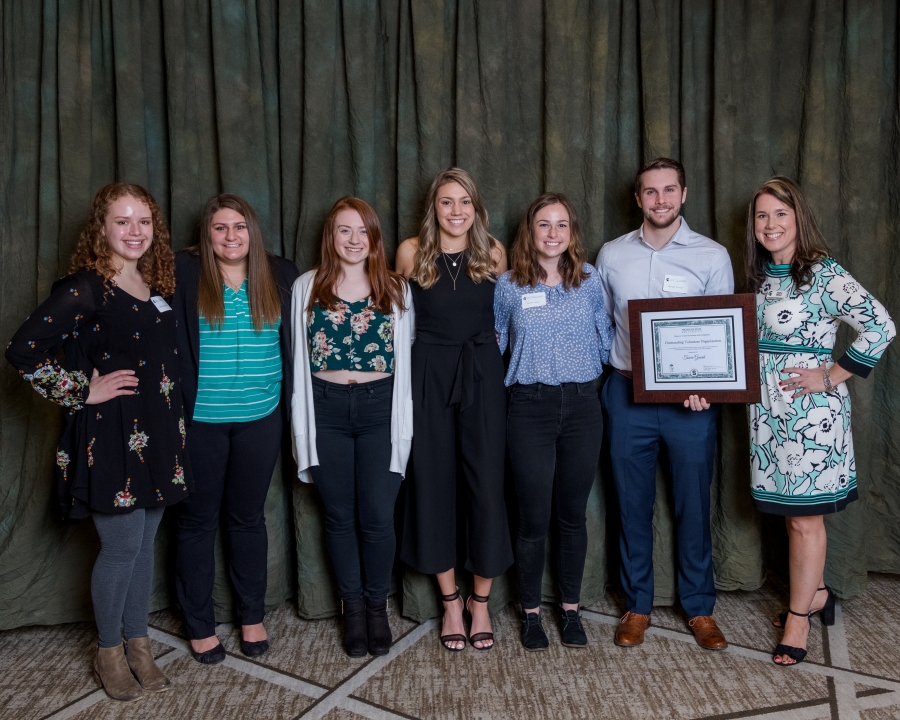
(449, 272)
(452, 260)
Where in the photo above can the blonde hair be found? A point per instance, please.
(479, 241)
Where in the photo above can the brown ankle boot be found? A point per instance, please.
(113, 674)
(140, 660)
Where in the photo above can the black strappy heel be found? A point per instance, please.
(482, 636)
(456, 637)
(827, 611)
(798, 655)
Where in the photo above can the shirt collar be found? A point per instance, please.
(682, 236)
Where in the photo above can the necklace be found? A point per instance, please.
(449, 272)
(449, 255)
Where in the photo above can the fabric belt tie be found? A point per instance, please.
(780, 348)
(468, 368)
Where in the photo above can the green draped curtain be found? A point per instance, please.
(295, 103)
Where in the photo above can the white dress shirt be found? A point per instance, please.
(689, 264)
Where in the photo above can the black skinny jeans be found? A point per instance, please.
(358, 489)
(554, 434)
(233, 464)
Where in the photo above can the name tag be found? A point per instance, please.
(776, 295)
(534, 300)
(161, 304)
(676, 284)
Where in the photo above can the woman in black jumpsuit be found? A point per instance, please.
(459, 403)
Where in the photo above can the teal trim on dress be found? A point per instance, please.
(778, 270)
(822, 498)
(859, 357)
(776, 348)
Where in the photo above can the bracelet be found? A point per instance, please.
(826, 377)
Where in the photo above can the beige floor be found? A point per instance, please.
(854, 672)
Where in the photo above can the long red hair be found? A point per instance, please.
(388, 287)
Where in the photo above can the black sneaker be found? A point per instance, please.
(533, 635)
(570, 628)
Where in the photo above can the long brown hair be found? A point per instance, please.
(156, 265)
(388, 287)
(811, 246)
(523, 258)
(479, 241)
(262, 292)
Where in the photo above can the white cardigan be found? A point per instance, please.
(303, 414)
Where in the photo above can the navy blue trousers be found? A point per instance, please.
(635, 433)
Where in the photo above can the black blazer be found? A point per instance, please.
(187, 284)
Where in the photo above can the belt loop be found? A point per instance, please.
(538, 393)
(324, 390)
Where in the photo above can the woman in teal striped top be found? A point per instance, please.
(233, 306)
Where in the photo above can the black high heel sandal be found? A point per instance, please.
(798, 655)
(482, 636)
(455, 637)
(827, 610)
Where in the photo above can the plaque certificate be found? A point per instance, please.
(695, 346)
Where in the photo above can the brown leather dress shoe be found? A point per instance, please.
(707, 633)
(631, 629)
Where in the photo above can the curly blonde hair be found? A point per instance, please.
(479, 241)
(156, 266)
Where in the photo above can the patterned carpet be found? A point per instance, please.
(853, 672)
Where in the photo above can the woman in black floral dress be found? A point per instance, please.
(121, 455)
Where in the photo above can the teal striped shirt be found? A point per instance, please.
(240, 369)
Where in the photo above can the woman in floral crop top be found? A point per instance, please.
(121, 455)
(352, 410)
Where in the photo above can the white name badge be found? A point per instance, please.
(534, 300)
(161, 304)
(676, 284)
(776, 295)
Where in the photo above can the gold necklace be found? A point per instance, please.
(452, 276)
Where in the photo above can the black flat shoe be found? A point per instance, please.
(255, 648)
(570, 628)
(826, 611)
(533, 636)
(210, 657)
(798, 655)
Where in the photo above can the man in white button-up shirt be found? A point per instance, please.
(663, 258)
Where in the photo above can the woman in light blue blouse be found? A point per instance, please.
(551, 309)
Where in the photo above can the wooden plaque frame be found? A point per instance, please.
(746, 302)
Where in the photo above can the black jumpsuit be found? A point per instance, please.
(459, 430)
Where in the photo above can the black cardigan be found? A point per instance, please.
(187, 284)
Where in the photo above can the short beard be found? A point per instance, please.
(649, 217)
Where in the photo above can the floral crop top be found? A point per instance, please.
(353, 336)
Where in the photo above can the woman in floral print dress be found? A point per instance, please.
(352, 410)
(801, 442)
(121, 455)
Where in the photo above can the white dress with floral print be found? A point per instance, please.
(802, 449)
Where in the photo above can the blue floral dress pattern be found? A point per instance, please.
(802, 459)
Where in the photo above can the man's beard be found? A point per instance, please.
(650, 217)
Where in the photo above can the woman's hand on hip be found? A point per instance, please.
(106, 387)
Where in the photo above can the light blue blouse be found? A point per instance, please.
(556, 335)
